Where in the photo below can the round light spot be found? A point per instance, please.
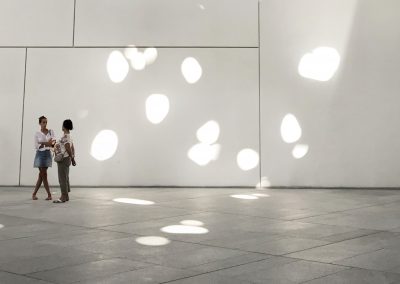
(191, 70)
(192, 223)
(1, 226)
(152, 241)
(202, 153)
(117, 66)
(157, 108)
(299, 151)
(182, 229)
(215, 151)
(133, 201)
(138, 61)
(244, 196)
(208, 133)
(104, 145)
(150, 55)
(321, 64)
(290, 129)
(247, 159)
(130, 52)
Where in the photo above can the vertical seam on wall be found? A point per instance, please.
(73, 26)
(259, 92)
(22, 124)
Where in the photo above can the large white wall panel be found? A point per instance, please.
(167, 23)
(349, 122)
(74, 83)
(12, 67)
(36, 23)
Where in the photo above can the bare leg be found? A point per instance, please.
(45, 182)
(38, 184)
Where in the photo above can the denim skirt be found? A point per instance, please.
(42, 159)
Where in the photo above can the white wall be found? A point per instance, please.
(36, 23)
(11, 104)
(75, 83)
(348, 122)
(166, 23)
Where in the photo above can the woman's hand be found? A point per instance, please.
(44, 144)
(73, 162)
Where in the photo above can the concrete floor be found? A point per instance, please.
(282, 236)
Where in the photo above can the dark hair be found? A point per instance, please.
(41, 118)
(67, 124)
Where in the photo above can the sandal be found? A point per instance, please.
(49, 198)
(58, 201)
(34, 197)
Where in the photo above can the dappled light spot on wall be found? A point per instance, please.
(321, 64)
(208, 133)
(206, 151)
(191, 70)
(130, 52)
(215, 151)
(133, 201)
(203, 153)
(192, 223)
(183, 229)
(104, 145)
(290, 129)
(150, 55)
(138, 61)
(299, 151)
(247, 159)
(157, 108)
(264, 183)
(1, 226)
(244, 196)
(153, 241)
(202, 7)
(117, 66)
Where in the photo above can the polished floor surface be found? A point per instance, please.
(201, 235)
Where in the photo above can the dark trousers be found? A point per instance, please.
(63, 175)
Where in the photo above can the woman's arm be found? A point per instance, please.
(69, 151)
(40, 145)
(37, 143)
(49, 144)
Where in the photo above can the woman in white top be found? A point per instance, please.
(44, 140)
